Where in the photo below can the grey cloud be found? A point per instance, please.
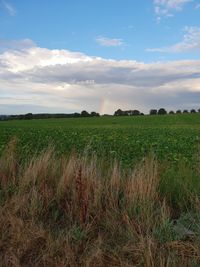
(101, 73)
(41, 80)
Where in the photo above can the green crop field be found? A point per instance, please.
(128, 139)
(85, 209)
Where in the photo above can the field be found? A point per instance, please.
(128, 139)
(109, 191)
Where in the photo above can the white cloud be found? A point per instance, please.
(9, 8)
(166, 8)
(190, 43)
(172, 4)
(104, 41)
(34, 79)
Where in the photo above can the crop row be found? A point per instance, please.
(126, 144)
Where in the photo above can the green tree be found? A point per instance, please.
(119, 112)
(162, 111)
(135, 112)
(84, 113)
(28, 116)
(153, 112)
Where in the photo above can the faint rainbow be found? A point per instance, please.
(102, 105)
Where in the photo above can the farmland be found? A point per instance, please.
(128, 139)
(109, 191)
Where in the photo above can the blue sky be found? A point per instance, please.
(150, 38)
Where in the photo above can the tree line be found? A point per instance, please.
(160, 111)
(30, 116)
(84, 113)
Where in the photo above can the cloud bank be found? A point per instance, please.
(35, 79)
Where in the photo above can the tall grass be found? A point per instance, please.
(77, 211)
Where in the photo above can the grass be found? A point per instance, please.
(80, 210)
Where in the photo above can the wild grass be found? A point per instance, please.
(80, 211)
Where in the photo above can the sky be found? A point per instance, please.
(65, 56)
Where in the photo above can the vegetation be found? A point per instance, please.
(84, 113)
(120, 112)
(153, 112)
(128, 139)
(30, 116)
(100, 191)
(162, 111)
(83, 211)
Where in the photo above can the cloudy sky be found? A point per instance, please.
(70, 55)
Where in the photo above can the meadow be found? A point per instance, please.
(108, 191)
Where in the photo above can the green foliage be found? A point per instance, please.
(128, 139)
(162, 111)
(179, 184)
(84, 211)
(165, 232)
(191, 220)
(153, 112)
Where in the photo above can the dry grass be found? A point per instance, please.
(73, 212)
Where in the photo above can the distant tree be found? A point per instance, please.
(126, 113)
(94, 114)
(106, 115)
(192, 111)
(135, 112)
(142, 114)
(178, 111)
(76, 115)
(84, 113)
(185, 111)
(153, 112)
(199, 110)
(4, 117)
(171, 112)
(162, 111)
(119, 112)
(28, 116)
(20, 117)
